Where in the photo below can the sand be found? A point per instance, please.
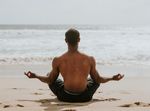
(18, 93)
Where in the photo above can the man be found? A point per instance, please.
(74, 67)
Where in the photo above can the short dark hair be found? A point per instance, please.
(72, 36)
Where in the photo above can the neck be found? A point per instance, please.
(72, 48)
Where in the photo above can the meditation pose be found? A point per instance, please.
(78, 70)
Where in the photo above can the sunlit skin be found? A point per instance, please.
(75, 67)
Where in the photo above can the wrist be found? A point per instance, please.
(112, 78)
(36, 76)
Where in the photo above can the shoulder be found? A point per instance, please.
(84, 55)
(58, 59)
(55, 61)
(90, 58)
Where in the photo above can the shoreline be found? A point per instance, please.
(17, 70)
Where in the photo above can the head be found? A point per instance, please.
(72, 37)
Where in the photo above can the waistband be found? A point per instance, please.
(72, 93)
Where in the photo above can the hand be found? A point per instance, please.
(117, 77)
(30, 74)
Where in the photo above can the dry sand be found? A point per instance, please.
(23, 94)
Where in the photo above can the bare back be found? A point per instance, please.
(74, 68)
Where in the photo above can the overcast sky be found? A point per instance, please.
(75, 12)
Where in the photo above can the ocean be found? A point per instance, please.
(109, 44)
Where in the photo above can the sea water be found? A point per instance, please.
(36, 44)
(125, 46)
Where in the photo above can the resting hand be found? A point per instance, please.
(30, 74)
(117, 77)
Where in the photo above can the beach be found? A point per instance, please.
(117, 49)
(18, 93)
(111, 36)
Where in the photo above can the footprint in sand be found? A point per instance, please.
(19, 105)
(136, 104)
(36, 93)
(109, 99)
(68, 110)
(15, 88)
(0, 104)
(44, 101)
(7, 106)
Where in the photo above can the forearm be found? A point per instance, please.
(116, 77)
(44, 79)
(101, 79)
(105, 79)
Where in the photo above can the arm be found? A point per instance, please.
(50, 77)
(99, 79)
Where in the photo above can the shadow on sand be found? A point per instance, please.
(56, 105)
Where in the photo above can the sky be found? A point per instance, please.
(129, 12)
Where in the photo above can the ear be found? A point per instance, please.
(78, 39)
(65, 40)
